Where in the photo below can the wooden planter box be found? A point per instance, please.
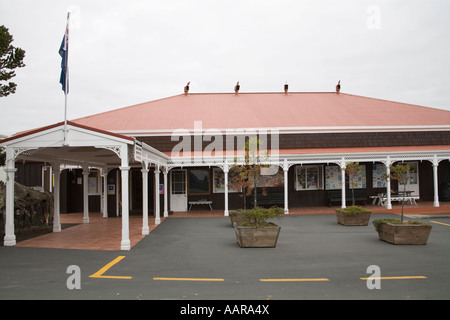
(404, 234)
(257, 237)
(361, 219)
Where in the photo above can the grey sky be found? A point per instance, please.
(126, 52)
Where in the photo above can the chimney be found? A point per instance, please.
(186, 89)
(286, 86)
(338, 86)
(236, 88)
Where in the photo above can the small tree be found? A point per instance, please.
(353, 169)
(2, 153)
(259, 216)
(400, 172)
(247, 175)
(10, 59)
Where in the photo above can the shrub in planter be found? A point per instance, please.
(239, 217)
(353, 216)
(256, 232)
(397, 232)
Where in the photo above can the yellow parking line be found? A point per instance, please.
(295, 280)
(395, 278)
(445, 224)
(99, 273)
(188, 279)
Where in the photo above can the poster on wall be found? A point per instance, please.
(333, 178)
(271, 180)
(358, 181)
(378, 175)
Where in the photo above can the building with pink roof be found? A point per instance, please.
(170, 154)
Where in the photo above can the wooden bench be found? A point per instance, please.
(200, 202)
(406, 199)
(382, 198)
(273, 198)
(336, 196)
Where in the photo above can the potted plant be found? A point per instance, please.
(397, 231)
(239, 217)
(256, 231)
(353, 216)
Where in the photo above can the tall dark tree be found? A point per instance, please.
(10, 59)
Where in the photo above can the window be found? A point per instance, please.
(219, 181)
(94, 182)
(199, 182)
(309, 177)
(178, 181)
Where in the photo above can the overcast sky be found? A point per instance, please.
(126, 52)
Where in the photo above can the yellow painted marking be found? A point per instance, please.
(295, 280)
(445, 224)
(99, 273)
(188, 279)
(395, 278)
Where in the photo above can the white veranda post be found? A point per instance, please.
(166, 211)
(343, 199)
(124, 169)
(157, 214)
(145, 228)
(286, 170)
(435, 181)
(85, 195)
(225, 172)
(56, 197)
(10, 237)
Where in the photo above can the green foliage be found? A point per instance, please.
(378, 222)
(2, 153)
(400, 172)
(352, 210)
(353, 169)
(258, 216)
(10, 59)
(247, 170)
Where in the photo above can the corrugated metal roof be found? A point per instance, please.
(266, 110)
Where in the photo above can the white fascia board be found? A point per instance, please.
(52, 137)
(92, 138)
(291, 130)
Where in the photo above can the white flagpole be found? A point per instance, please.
(66, 76)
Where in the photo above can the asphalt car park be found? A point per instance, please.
(199, 259)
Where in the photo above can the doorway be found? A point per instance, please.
(178, 192)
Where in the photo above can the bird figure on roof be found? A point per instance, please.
(186, 88)
(236, 88)
(338, 86)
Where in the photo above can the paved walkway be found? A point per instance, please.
(99, 234)
(106, 233)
